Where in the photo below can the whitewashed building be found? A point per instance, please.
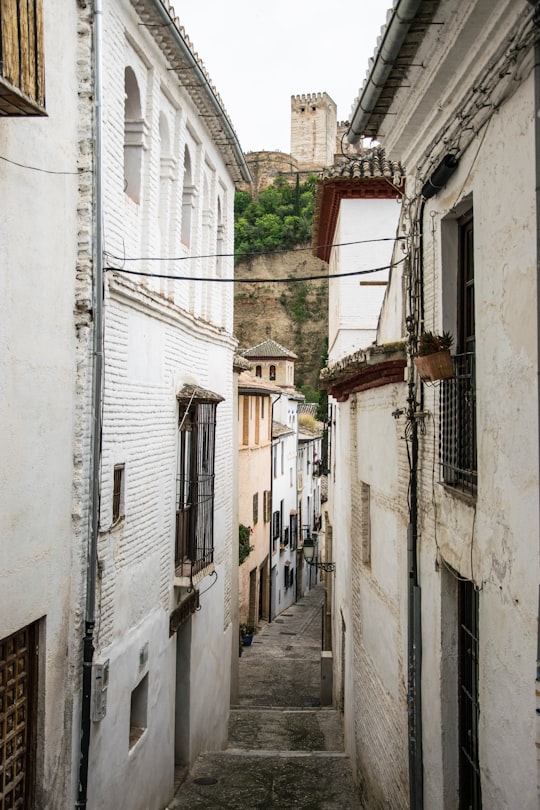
(357, 202)
(166, 633)
(45, 255)
(309, 494)
(275, 363)
(437, 637)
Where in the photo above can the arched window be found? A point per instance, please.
(134, 130)
(220, 242)
(188, 199)
(272, 372)
(258, 371)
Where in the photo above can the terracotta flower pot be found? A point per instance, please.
(438, 366)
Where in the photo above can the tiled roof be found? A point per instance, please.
(160, 18)
(280, 430)
(369, 163)
(249, 383)
(369, 175)
(271, 349)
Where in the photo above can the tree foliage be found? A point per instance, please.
(278, 219)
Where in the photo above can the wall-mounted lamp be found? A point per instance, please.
(309, 553)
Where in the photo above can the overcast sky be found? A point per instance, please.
(259, 54)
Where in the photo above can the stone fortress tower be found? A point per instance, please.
(264, 311)
(313, 130)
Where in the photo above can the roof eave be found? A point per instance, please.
(231, 150)
(371, 107)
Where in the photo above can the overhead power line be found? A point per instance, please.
(243, 255)
(255, 280)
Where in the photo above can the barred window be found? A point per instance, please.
(458, 455)
(195, 485)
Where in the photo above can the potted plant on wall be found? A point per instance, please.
(433, 360)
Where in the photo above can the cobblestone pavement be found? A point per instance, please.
(285, 751)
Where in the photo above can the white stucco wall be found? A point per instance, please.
(160, 335)
(38, 253)
(284, 488)
(494, 542)
(355, 301)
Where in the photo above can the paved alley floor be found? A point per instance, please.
(285, 751)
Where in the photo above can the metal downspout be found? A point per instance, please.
(537, 202)
(97, 383)
(393, 38)
(414, 604)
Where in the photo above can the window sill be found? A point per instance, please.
(184, 580)
(465, 497)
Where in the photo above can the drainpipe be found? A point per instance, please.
(91, 563)
(537, 190)
(414, 605)
(393, 38)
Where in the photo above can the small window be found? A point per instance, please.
(272, 372)
(255, 508)
(22, 63)
(118, 493)
(258, 371)
(138, 713)
(267, 504)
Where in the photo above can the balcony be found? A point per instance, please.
(458, 427)
(22, 65)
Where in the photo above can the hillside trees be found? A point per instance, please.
(278, 219)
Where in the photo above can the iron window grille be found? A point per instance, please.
(470, 793)
(458, 456)
(194, 548)
(118, 492)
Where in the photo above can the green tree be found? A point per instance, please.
(278, 219)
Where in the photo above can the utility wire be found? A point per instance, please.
(38, 169)
(255, 280)
(242, 255)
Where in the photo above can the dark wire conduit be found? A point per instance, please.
(96, 427)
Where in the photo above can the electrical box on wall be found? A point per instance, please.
(100, 684)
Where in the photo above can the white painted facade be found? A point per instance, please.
(482, 542)
(284, 500)
(309, 503)
(354, 302)
(43, 240)
(168, 193)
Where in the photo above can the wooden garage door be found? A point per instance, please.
(17, 700)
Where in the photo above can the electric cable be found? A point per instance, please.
(38, 169)
(243, 255)
(233, 280)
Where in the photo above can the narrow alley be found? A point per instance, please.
(285, 750)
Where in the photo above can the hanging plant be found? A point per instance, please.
(244, 547)
(433, 360)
